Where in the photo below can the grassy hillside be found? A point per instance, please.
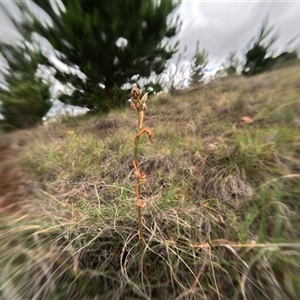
(223, 213)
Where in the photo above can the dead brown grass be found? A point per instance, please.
(222, 220)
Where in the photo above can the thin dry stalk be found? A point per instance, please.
(194, 285)
(139, 105)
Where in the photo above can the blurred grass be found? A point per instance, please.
(222, 220)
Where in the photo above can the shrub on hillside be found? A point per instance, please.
(25, 104)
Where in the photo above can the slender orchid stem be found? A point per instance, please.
(139, 105)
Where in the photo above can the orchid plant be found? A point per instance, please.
(138, 103)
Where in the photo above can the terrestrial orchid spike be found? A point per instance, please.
(135, 97)
(135, 92)
(136, 102)
(139, 105)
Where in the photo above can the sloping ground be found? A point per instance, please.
(223, 213)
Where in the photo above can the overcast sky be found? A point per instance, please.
(224, 26)
(220, 26)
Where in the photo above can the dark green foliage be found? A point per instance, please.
(258, 57)
(200, 61)
(25, 104)
(109, 42)
(25, 97)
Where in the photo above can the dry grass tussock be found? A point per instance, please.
(222, 216)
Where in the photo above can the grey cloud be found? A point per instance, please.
(8, 33)
(222, 27)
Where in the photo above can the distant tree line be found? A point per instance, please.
(259, 57)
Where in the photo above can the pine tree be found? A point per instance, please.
(199, 62)
(258, 57)
(109, 42)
